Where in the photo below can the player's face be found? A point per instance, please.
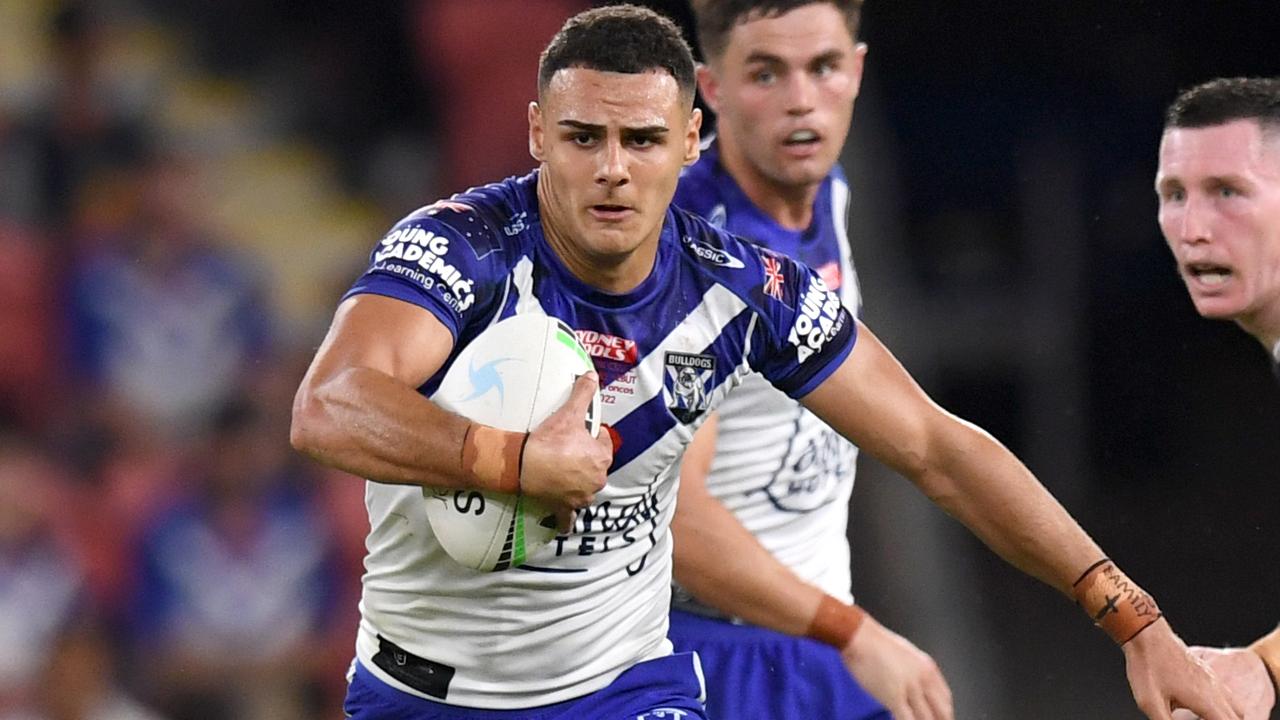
(611, 147)
(1219, 194)
(783, 90)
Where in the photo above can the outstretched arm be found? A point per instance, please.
(358, 410)
(724, 566)
(872, 401)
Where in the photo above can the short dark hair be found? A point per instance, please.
(1225, 100)
(717, 18)
(620, 38)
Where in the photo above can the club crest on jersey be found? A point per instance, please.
(686, 385)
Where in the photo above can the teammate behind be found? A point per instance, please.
(1218, 185)
(580, 631)
(760, 538)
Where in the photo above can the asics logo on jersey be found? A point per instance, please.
(485, 378)
(663, 713)
(715, 256)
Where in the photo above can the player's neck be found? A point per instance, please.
(613, 273)
(791, 206)
(1266, 328)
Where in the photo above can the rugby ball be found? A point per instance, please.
(511, 376)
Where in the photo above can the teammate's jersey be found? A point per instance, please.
(590, 604)
(783, 472)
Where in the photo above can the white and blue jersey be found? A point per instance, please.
(781, 470)
(594, 602)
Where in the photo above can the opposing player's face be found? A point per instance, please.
(611, 147)
(784, 89)
(1219, 193)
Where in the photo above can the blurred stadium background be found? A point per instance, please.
(186, 188)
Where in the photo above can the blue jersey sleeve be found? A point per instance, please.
(440, 258)
(805, 331)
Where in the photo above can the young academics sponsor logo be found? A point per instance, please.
(818, 319)
(686, 385)
(715, 256)
(420, 255)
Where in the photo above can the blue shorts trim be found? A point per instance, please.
(758, 674)
(667, 688)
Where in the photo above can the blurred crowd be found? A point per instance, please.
(163, 551)
(185, 191)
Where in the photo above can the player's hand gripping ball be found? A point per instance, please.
(511, 377)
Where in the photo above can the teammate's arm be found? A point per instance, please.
(871, 400)
(358, 410)
(726, 567)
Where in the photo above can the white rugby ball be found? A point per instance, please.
(511, 376)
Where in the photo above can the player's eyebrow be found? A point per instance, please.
(644, 130)
(760, 56)
(585, 127)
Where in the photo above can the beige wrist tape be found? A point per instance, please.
(835, 622)
(1116, 603)
(491, 458)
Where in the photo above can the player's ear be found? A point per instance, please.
(859, 61)
(693, 138)
(709, 86)
(536, 135)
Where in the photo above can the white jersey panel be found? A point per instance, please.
(781, 470)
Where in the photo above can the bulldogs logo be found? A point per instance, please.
(687, 384)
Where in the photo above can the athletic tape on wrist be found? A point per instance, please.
(835, 622)
(1116, 603)
(492, 458)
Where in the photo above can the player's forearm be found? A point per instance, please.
(978, 481)
(371, 425)
(724, 566)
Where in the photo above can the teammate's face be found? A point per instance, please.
(783, 90)
(611, 147)
(1219, 193)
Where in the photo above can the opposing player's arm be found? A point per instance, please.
(871, 400)
(726, 567)
(358, 409)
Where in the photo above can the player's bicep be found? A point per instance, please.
(394, 337)
(872, 400)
